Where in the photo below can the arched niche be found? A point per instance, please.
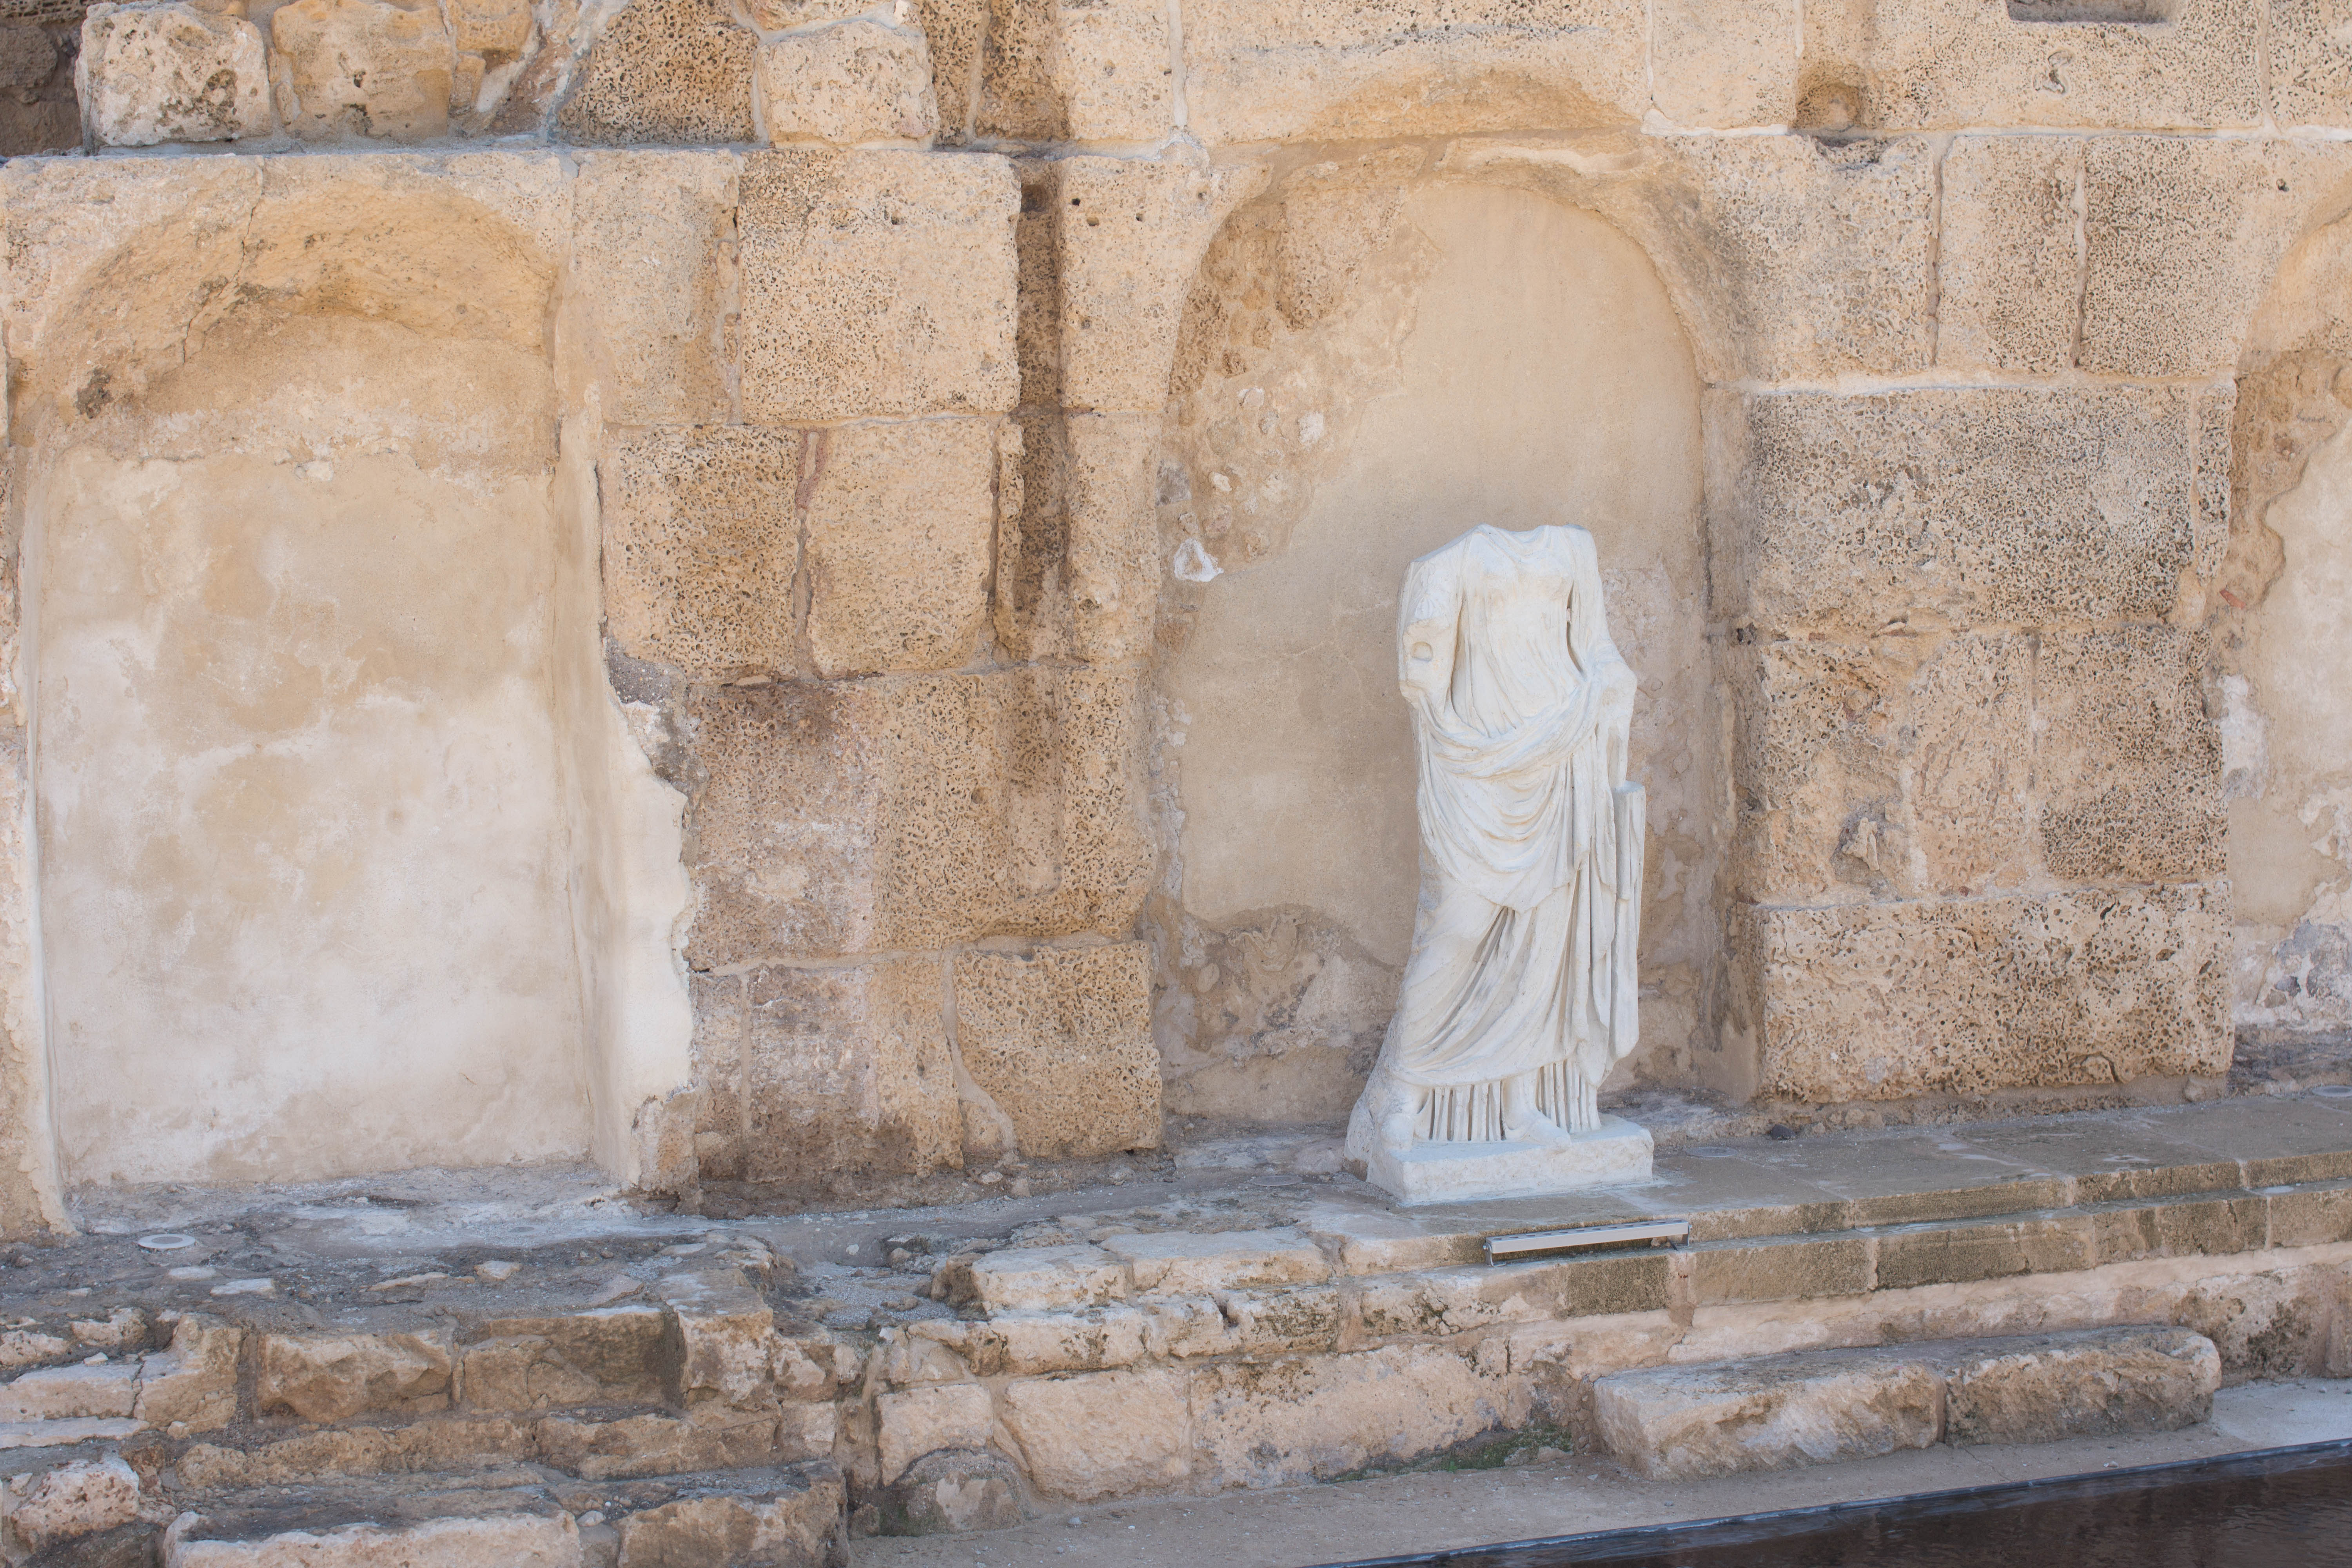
(1371, 364)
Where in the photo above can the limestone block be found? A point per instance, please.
(700, 547)
(1076, 70)
(1024, 1342)
(1062, 1042)
(797, 1524)
(21, 1348)
(1331, 70)
(660, 1445)
(2167, 219)
(1105, 1434)
(674, 72)
(524, 1372)
(1456, 1300)
(1896, 767)
(1275, 1423)
(2129, 761)
(332, 1377)
(1997, 504)
(76, 1500)
(2083, 986)
(1683, 1423)
(2310, 63)
(955, 1489)
(876, 284)
(654, 233)
(2000, 1250)
(362, 67)
(854, 82)
(71, 1393)
(498, 30)
(194, 1383)
(1128, 237)
(956, 33)
(1901, 65)
(616, 1354)
(500, 1539)
(1111, 566)
(1725, 63)
(900, 519)
(1029, 1278)
(724, 1331)
(917, 815)
(925, 1420)
(1374, 1241)
(849, 1072)
(1176, 1263)
(2010, 264)
(1275, 1323)
(2043, 1389)
(151, 73)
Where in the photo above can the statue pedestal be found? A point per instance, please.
(1613, 1154)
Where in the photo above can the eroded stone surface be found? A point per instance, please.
(151, 73)
(1062, 1042)
(857, 82)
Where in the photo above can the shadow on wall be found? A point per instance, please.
(1370, 365)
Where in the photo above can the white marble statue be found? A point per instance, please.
(1520, 993)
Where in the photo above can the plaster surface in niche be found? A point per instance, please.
(298, 768)
(1538, 375)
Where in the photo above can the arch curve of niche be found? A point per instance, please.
(342, 849)
(1372, 362)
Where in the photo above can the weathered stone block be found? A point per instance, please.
(617, 1352)
(2310, 63)
(169, 73)
(1062, 1042)
(725, 1345)
(653, 233)
(71, 1393)
(877, 283)
(519, 1539)
(917, 815)
(2043, 1389)
(955, 1489)
(1330, 71)
(661, 1445)
(2011, 266)
(81, 1498)
(1263, 1424)
(2218, 1227)
(674, 72)
(1682, 1423)
(1176, 1263)
(1456, 1300)
(925, 1420)
(2129, 762)
(362, 67)
(853, 82)
(849, 1072)
(799, 1524)
(1111, 566)
(193, 1383)
(1278, 1322)
(1374, 1242)
(2312, 1218)
(1105, 1434)
(1946, 1255)
(1905, 65)
(901, 518)
(2087, 987)
(1077, 70)
(2006, 505)
(1787, 1270)
(332, 1377)
(1032, 1278)
(700, 547)
(1724, 63)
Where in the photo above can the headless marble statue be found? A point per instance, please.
(1520, 993)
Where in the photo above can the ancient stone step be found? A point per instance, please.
(1677, 1423)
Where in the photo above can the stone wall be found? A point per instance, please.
(999, 424)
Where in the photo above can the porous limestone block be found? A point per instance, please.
(851, 83)
(917, 814)
(501, 1540)
(654, 231)
(1898, 766)
(1105, 1434)
(1276, 1423)
(2171, 219)
(1023, 1342)
(154, 73)
(71, 1393)
(1725, 63)
(2008, 504)
(1128, 237)
(1074, 70)
(1178, 1263)
(1110, 565)
(849, 1071)
(1332, 70)
(498, 30)
(900, 519)
(334, 1376)
(1905, 65)
(2310, 49)
(956, 33)
(700, 547)
(194, 1383)
(795, 1521)
(75, 1499)
(725, 1336)
(2087, 985)
(1611, 1154)
(2047, 1387)
(1683, 1423)
(675, 72)
(2129, 764)
(1278, 1322)
(877, 283)
(954, 1489)
(362, 67)
(2010, 265)
(1032, 1279)
(610, 1356)
(919, 1421)
(1460, 1300)
(666, 1445)
(1061, 1041)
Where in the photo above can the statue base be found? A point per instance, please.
(1613, 1153)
